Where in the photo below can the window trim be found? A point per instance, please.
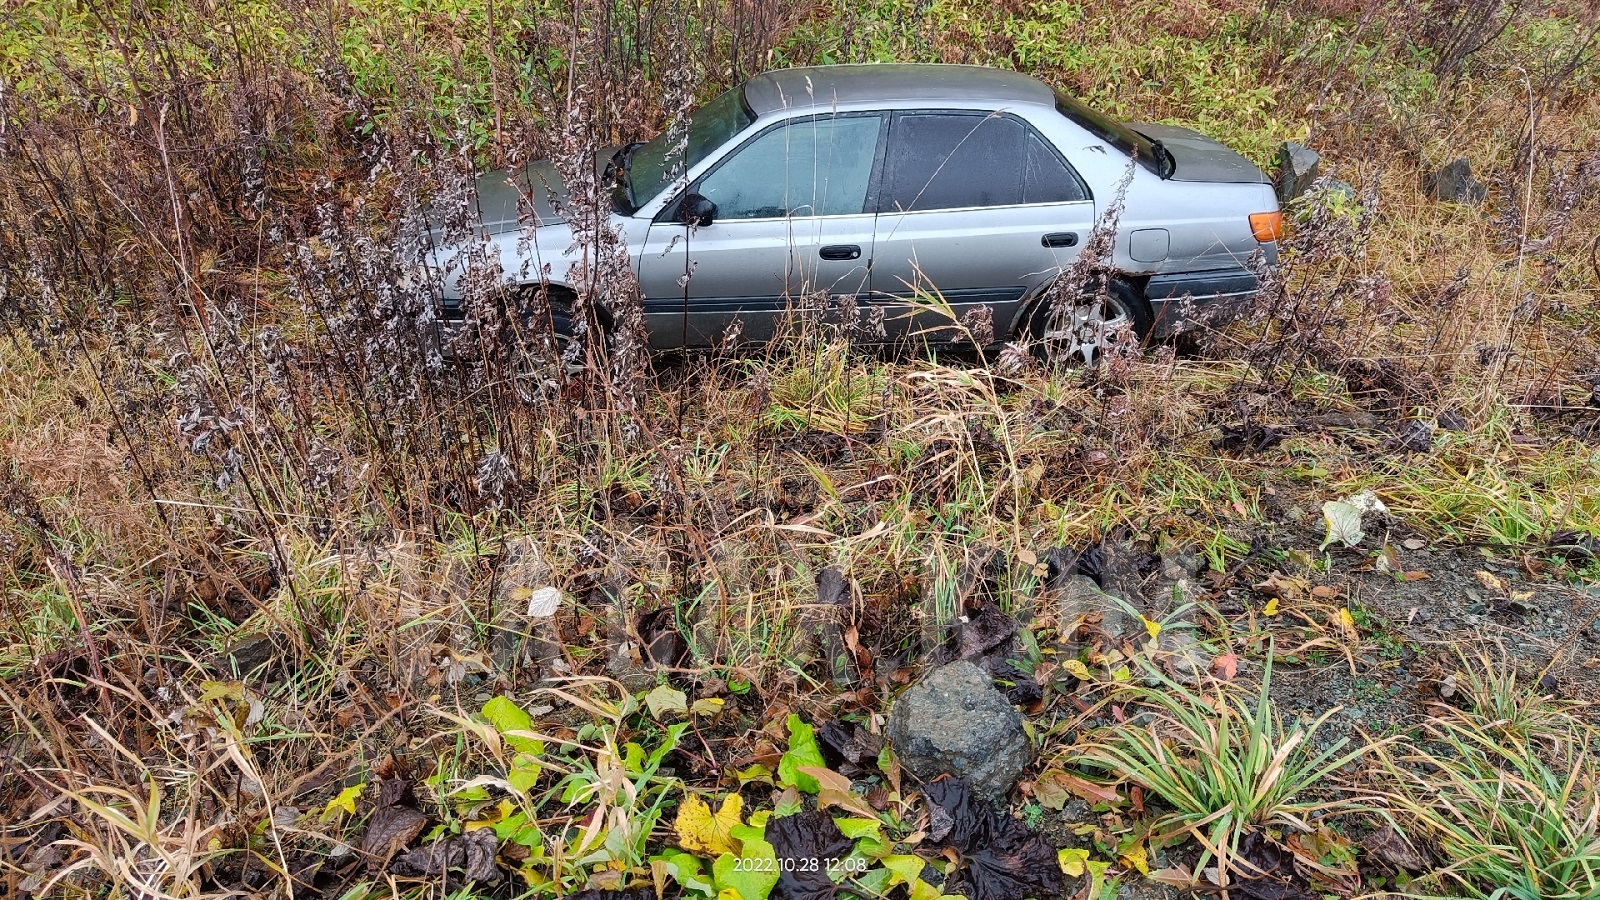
(669, 213)
(1027, 127)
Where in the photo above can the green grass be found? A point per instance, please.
(1224, 764)
(1508, 793)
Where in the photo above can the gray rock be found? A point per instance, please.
(1454, 184)
(1079, 598)
(1183, 655)
(1343, 189)
(253, 657)
(954, 722)
(1297, 169)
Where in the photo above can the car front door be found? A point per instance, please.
(976, 209)
(791, 218)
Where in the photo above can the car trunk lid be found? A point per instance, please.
(1200, 158)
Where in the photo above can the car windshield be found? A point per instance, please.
(1146, 152)
(649, 170)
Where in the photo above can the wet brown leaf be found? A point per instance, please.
(394, 825)
(1391, 849)
(1004, 859)
(804, 844)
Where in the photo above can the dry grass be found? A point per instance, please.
(252, 530)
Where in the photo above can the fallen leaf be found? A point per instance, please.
(1266, 870)
(1135, 856)
(1049, 793)
(710, 707)
(1344, 524)
(1004, 858)
(666, 698)
(543, 602)
(472, 854)
(1346, 624)
(834, 789)
(1072, 859)
(1077, 670)
(1392, 849)
(1152, 627)
(1284, 587)
(513, 723)
(1088, 790)
(346, 800)
(1413, 543)
(846, 745)
(806, 846)
(699, 831)
(1225, 666)
(803, 751)
(1324, 592)
(753, 872)
(1491, 581)
(394, 825)
(1271, 609)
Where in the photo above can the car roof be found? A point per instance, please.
(890, 82)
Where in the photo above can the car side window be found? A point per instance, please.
(962, 160)
(1046, 177)
(817, 166)
(953, 161)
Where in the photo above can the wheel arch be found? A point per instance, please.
(1137, 283)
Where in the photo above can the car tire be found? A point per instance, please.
(1080, 340)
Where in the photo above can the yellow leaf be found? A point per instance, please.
(729, 893)
(1135, 856)
(1271, 608)
(708, 706)
(703, 833)
(1151, 626)
(1347, 623)
(493, 816)
(1072, 860)
(1077, 669)
(345, 801)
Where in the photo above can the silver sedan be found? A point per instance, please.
(907, 195)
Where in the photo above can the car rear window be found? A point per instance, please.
(1125, 139)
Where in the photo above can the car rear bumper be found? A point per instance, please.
(1191, 300)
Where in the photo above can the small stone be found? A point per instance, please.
(954, 722)
(1297, 170)
(1344, 190)
(1413, 435)
(1185, 659)
(252, 657)
(1454, 184)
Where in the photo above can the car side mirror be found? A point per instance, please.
(697, 211)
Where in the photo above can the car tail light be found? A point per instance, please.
(1267, 226)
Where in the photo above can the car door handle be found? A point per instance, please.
(840, 251)
(1060, 239)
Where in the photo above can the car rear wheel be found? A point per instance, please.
(1079, 330)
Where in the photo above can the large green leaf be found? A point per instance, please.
(754, 871)
(514, 724)
(803, 751)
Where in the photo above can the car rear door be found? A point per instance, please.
(792, 217)
(976, 209)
